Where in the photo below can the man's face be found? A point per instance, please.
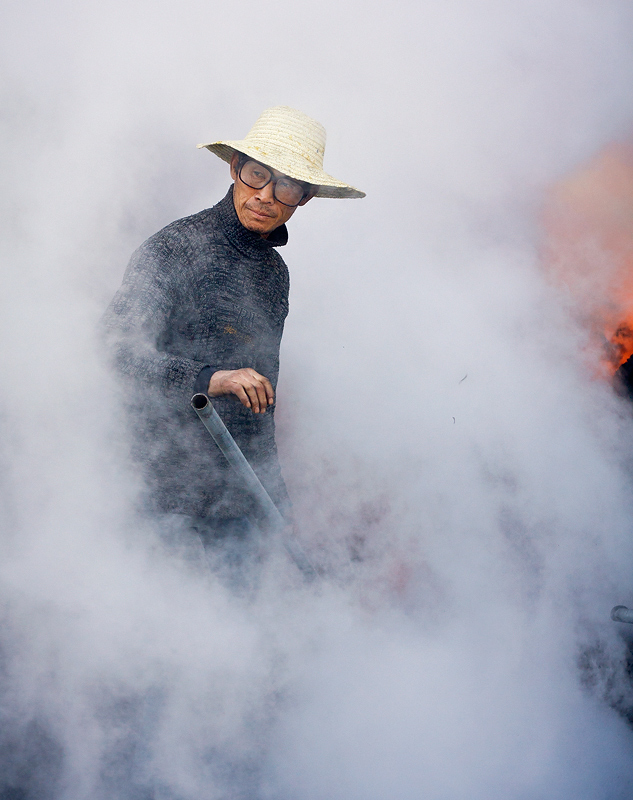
(257, 209)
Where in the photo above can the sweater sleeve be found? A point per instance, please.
(138, 317)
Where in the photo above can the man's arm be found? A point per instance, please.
(138, 318)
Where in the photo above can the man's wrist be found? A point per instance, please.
(201, 385)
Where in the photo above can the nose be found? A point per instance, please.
(266, 194)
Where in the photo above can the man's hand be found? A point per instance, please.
(253, 389)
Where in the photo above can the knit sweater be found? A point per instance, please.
(202, 294)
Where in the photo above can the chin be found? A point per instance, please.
(259, 225)
(255, 228)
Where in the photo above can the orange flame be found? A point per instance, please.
(589, 249)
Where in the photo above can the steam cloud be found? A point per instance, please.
(462, 478)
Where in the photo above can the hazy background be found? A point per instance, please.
(463, 478)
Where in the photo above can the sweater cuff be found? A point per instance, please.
(202, 380)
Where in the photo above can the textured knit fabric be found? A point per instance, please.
(204, 293)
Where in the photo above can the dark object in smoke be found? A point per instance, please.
(623, 379)
(610, 677)
(221, 436)
(622, 614)
(31, 761)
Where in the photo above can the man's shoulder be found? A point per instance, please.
(184, 241)
(201, 224)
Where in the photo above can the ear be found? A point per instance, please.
(310, 195)
(235, 160)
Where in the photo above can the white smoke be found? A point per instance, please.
(464, 481)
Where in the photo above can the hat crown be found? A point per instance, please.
(286, 129)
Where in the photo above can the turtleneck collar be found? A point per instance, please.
(247, 242)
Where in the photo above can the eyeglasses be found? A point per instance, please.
(285, 190)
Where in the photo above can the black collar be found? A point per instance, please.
(247, 242)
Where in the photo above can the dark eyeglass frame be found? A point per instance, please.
(274, 180)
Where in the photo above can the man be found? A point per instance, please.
(202, 308)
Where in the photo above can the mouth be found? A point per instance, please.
(260, 214)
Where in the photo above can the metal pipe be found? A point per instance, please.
(622, 614)
(231, 451)
(221, 436)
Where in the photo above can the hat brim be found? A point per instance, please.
(287, 163)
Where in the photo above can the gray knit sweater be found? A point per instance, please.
(203, 292)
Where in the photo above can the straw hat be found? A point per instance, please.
(290, 142)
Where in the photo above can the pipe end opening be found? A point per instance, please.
(199, 401)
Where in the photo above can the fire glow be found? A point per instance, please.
(589, 250)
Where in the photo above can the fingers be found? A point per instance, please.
(241, 394)
(254, 392)
(252, 389)
(260, 392)
(270, 394)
